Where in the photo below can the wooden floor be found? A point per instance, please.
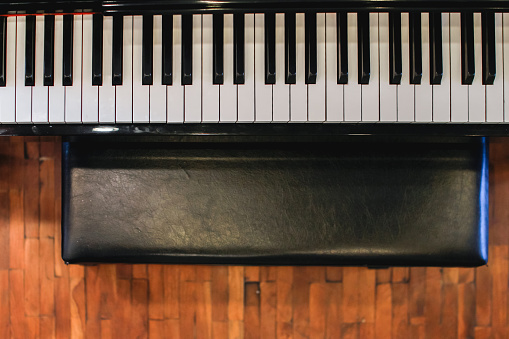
(40, 297)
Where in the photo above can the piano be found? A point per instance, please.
(253, 67)
(293, 132)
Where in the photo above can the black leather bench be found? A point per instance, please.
(387, 203)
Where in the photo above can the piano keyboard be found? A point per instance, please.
(313, 67)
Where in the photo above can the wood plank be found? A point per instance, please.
(47, 197)
(4, 228)
(171, 291)
(16, 230)
(93, 301)
(203, 309)
(367, 287)
(107, 279)
(268, 304)
(417, 292)
(16, 172)
(219, 330)
(482, 332)
(366, 330)
(500, 275)
(4, 304)
(400, 319)
(450, 275)
(140, 271)
(252, 310)
(47, 277)
(334, 310)
(47, 327)
(466, 303)
(236, 330)
(32, 278)
(483, 295)
(59, 263)
(156, 292)
(31, 189)
(449, 327)
(383, 314)
(204, 273)
(268, 273)
(220, 293)
(400, 274)
(466, 275)
(188, 273)
(172, 328)
(284, 310)
(383, 275)
(350, 294)
(252, 273)
(139, 310)
(106, 329)
(187, 309)
(77, 301)
(32, 327)
(333, 274)
(124, 271)
(122, 314)
(300, 295)
(318, 301)
(236, 293)
(16, 303)
(350, 331)
(63, 306)
(432, 308)
(156, 329)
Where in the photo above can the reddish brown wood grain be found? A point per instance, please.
(42, 297)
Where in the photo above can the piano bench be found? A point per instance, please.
(310, 203)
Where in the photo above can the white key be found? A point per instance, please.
(388, 92)
(73, 93)
(228, 91)
(140, 92)
(209, 90)
(107, 90)
(423, 94)
(352, 91)
(505, 18)
(495, 92)
(175, 92)
(298, 92)
(8, 93)
(39, 91)
(333, 90)
(23, 93)
(459, 92)
(263, 92)
(57, 92)
(90, 103)
(370, 97)
(441, 93)
(405, 89)
(124, 92)
(316, 92)
(280, 91)
(246, 101)
(192, 93)
(158, 90)
(477, 91)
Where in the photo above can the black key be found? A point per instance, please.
(117, 50)
(415, 39)
(147, 50)
(290, 49)
(435, 48)
(217, 46)
(488, 48)
(467, 48)
(363, 47)
(270, 48)
(238, 49)
(30, 51)
(310, 45)
(395, 62)
(3, 50)
(97, 50)
(187, 49)
(167, 47)
(49, 50)
(67, 50)
(342, 37)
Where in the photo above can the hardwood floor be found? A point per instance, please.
(41, 297)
